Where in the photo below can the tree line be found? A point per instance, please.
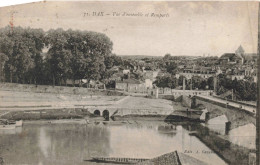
(71, 54)
(242, 89)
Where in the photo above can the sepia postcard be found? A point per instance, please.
(129, 82)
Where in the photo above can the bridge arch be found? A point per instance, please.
(105, 114)
(97, 112)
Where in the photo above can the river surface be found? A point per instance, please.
(73, 143)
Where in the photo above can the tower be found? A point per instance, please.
(240, 53)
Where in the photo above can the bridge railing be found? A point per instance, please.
(233, 101)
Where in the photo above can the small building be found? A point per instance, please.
(148, 83)
(149, 74)
(117, 76)
(126, 71)
(131, 85)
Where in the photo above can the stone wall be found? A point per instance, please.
(186, 101)
(56, 89)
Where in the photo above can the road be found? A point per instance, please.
(233, 104)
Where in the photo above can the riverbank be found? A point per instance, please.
(61, 121)
(232, 154)
(48, 114)
(15, 100)
(57, 89)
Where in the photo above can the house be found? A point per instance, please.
(126, 71)
(238, 77)
(249, 71)
(115, 68)
(151, 75)
(117, 76)
(203, 72)
(254, 75)
(70, 82)
(148, 83)
(131, 85)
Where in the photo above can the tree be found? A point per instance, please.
(21, 46)
(203, 85)
(6, 48)
(180, 80)
(165, 81)
(210, 83)
(3, 59)
(171, 67)
(71, 55)
(58, 57)
(168, 64)
(167, 57)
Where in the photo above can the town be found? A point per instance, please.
(232, 75)
(67, 77)
(108, 82)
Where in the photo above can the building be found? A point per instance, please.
(238, 77)
(131, 85)
(203, 72)
(249, 71)
(148, 74)
(239, 57)
(148, 83)
(126, 71)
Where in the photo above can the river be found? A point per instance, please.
(73, 143)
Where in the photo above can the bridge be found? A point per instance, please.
(105, 111)
(177, 93)
(208, 94)
(231, 103)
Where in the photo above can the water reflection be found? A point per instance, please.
(218, 124)
(44, 142)
(73, 143)
(247, 139)
(17, 130)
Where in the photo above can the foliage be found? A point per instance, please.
(242, 89)
(168, 64)
(166, 81)
(21, 46)
(71, 55)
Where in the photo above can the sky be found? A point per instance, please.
(188, 28)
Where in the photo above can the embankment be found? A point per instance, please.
(231, 153)
(57, 89)
(48, 114)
